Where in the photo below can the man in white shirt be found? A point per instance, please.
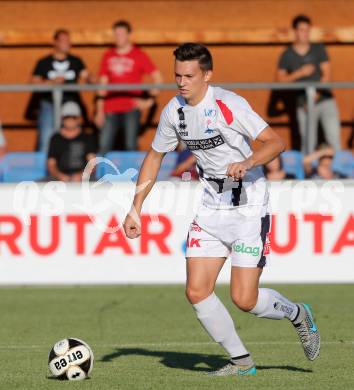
(233, 219)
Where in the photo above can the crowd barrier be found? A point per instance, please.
(57, 233)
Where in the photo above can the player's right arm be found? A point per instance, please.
(165, 141)
(146, 180)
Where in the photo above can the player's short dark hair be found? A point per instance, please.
(194, 51)
(122, 24)
(59, 32)
(300, 19)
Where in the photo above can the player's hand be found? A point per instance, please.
(239, 169)
(307, 70)
(132, 225)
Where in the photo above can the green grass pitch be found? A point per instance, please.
(147, 337)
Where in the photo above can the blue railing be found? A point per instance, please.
(124, 166)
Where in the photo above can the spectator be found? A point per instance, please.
(284, 102)
(306, 61)
(57, 68)
(323, 169)
(125, 63)
(274, 170)
(71, 148)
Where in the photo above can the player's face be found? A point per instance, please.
(302, 32)
(62, 43)
(191, 79)
(121, 37)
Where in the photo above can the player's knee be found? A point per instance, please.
(244, 301)
(196, 295)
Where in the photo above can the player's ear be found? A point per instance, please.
(207, 75)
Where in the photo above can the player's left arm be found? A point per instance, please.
(272, 146)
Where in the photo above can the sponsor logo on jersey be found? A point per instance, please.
(208, 129)
(266, 246)
(249, 250)
(193, 242)
(182, 123)
(195, 227)
(209, 112)
(204, 144)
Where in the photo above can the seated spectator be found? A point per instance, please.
(70, 149)
(185, 166)
(2, 143)
(124, 63)
(274, 170)
(323, 168)
(57, 68)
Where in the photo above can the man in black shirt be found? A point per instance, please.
(70, 149)
(57, 68)
(306, 61)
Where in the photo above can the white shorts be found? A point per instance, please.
(242, 233)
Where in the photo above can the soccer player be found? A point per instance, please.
(233, 219)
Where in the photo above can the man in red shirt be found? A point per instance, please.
(117, 110)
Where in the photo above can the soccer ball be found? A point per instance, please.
(70, 359)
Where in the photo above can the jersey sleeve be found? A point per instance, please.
(165, 139)
(240, 117)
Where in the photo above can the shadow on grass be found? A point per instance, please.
(186, 360)
(288, 368)
(54, 378)
(182, 360)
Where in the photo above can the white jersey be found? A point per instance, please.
(217, 131)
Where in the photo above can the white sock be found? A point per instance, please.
(271, 304)
(217, 321)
